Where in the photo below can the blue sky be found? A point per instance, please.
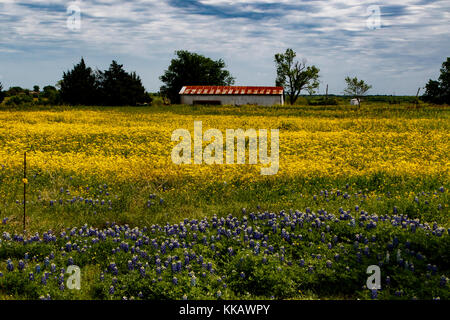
(342, 38)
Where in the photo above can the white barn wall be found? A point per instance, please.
(263, 100)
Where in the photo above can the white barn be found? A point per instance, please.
(227, 95)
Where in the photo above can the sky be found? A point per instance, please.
(395, 46)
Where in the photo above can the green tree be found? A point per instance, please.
(119, 88)
(439, 91)
(50, 95)
(294, 76)
(2, 94)
(356, 88)
(190, 69)
(79, 86)
(14, 91)
(36, 92)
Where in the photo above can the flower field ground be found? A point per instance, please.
(355, 188)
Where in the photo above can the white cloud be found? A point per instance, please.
(332, 34)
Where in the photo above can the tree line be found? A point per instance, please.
(116, 87)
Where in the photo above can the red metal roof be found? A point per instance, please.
(209, 90)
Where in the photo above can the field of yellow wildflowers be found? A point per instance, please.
(354, 187)
(379, 148)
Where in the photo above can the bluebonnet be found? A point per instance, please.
(374, 293)
(443, 281)
(9, 265)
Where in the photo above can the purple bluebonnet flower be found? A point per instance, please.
(175, 280)
(443, 281)
(366, 250)
(31, 276)
(433, 269)
(9, 265)
(374, 293)
(329, 264)
(242, 275)
(21, 265)
(111, 290)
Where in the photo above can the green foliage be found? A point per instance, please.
(438, 91)
(49, 96)
(14, 91)
(356, 88)
(79, 86)
(19, 100)
(112, 87)
(295, 76)
(2, 94)
(119, 88)
(190, 69)
(323, 101)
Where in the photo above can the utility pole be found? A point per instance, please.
(417, 98)
(326, 95)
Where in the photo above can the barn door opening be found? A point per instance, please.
(208, 102)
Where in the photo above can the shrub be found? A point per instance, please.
(19, 100)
